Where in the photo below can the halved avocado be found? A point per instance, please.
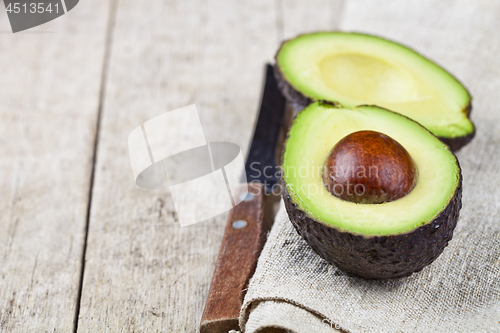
(355, 69)
(386, 240)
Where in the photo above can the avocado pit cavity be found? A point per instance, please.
(369, 167)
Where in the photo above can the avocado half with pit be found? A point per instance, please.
(356, 69)
(391, 239)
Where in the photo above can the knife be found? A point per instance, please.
(249, 221)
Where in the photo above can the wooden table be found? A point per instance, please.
(81, 247)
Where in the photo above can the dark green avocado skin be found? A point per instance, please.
(378, 257)
(456, 143)
(298, 101)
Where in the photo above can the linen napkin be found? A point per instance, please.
(295, 290)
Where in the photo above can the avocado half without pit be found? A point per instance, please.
(372, 191)
(356, 69)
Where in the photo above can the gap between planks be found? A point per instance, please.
(102, 93)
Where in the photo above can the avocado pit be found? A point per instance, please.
(374, 241)
(369, 167)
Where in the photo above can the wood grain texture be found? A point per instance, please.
(144, 273)
(297, 17)
(49, 98)
(237, 260)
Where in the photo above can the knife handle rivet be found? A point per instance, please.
(246, 196)
(239, 224)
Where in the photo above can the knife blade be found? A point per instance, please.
(249, 221)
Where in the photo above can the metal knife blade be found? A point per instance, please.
(248, 222)
(261, 161)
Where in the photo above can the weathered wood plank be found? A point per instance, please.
(49, 97)
(143, 272)
(298, 17)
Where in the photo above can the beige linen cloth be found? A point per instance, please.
(295, 290)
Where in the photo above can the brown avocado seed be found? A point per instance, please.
(369, 167)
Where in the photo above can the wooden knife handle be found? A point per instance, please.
(238, 255)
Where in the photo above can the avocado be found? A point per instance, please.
(375, 240)
(357, 69)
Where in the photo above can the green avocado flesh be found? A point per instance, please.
(317, 129)
(355, 69)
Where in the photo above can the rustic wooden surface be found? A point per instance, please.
(123, 62)
(49, 97)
